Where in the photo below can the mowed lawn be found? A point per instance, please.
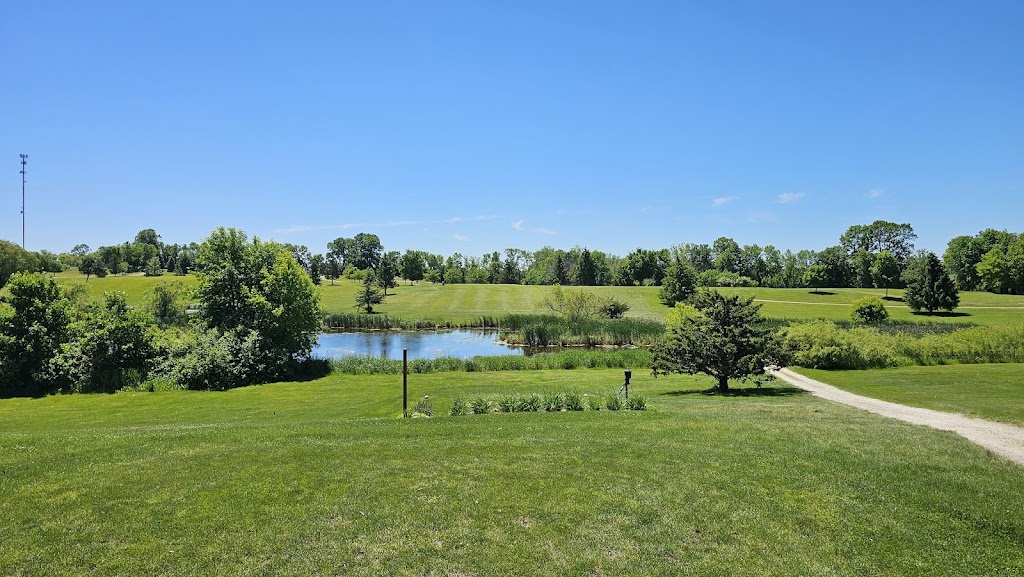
(321, 478)
(465, 303)
(994, 392)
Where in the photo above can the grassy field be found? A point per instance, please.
(320, 478)
(462, 303)
(994, 392)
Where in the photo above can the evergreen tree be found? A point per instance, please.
(928, 284)
(368, 294)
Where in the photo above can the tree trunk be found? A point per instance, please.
(723, 384)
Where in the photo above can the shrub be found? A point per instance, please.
(533, 403)
(554, 402)
(594, 403)
(423, 407)
(869, 309)
(573, 401)
(613, 402)
(508, 403)
(636, 403)
(480, 406)
(459, 407)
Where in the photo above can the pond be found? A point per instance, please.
(421, 344)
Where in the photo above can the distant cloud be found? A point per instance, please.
(722, 200)
(788, 197)
(876, 192)
(460, 238)
(518, 225)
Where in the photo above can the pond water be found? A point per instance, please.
(421, 344)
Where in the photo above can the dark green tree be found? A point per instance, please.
(726, 340)
(928, 284)
(32, 330)
(14, 259)
(585, 273)
(885, 271)
(258, 287)
(679, 283)
(388, 269)
(815, 276)
(368, 294)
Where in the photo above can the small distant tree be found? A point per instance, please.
(368, 294)
(332, 268)
(928, 284)
(317, 266)
(387, 270)
(726, 339)
(412, 266)
(869, 309)
(153, 267)
(164, 303)
(679, 283)
(885, 272)
(815, 276)
(92, 266)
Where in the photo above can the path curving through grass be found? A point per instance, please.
(1000, 438)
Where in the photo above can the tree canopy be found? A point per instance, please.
(726, 339)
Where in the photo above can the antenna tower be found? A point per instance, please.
(24, 161)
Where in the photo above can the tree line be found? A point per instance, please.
(875, 255)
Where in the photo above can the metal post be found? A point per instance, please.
(626, 384)
(24, 159)
(405, 382)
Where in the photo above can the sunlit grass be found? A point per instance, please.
(323, 478)
(987, 391)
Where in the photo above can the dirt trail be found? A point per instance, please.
(1000, 438)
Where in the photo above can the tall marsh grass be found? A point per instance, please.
(566, 360)
(826, 345)
(519, 329)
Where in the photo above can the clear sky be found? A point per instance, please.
(475, 126)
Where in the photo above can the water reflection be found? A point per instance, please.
(421, 345)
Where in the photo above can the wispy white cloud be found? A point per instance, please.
(788, 197)
(876, 192)
(722, 200)
(518, 225)
(460, 238)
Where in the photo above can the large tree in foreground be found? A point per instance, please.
(725, 339)
(928, 284)
(258, 287)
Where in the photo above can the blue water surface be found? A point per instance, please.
(421, 344)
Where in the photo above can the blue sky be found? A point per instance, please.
(476, 126)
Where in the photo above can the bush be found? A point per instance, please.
(509, 404)
(533, 403)
(594, 403)
(869, 309)
(459, 407)
(613, 402)
(636, 403)
(573, 401)
(480, 406)
(554, 402)
(423, 407)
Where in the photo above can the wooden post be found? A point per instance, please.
(405, 382)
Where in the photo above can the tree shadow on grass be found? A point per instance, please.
(948, 314)
(744, 392)
(823, 293)
(894, 299)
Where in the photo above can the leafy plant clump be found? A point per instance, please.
(570, 401)
(869, 309)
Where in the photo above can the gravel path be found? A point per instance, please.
(1000, 438)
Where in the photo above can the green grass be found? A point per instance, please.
(994, 392)
(466, 303)
(320, 478)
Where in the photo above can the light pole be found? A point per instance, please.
(24, 161)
